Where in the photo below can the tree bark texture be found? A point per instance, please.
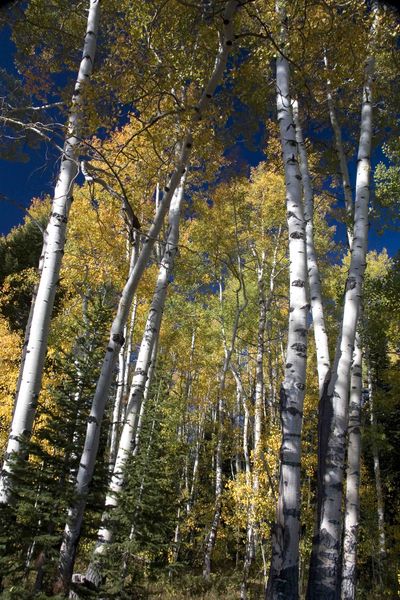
(325, 560)
(75, 513)
(140, 378)
(53, 248)
(352, 501)
(317, 307)
(284, 571)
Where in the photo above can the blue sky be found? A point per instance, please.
(20, 182)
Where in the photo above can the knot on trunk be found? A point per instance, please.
(299, 347)
(298, 283)
(297, 235)
(118, 338)
(58, 217)
(351, 283)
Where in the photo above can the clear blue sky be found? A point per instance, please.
(20, 182)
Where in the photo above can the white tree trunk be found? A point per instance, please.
(139, 381)
(352, 501)
(138, 426)
(284, 573)
(325, 561)
(36, 347)
(317, 307)
(123, 375)
(377, 473)
(116, 413)
(116, 340)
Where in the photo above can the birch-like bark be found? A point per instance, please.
(317, 307)
(152, 366)
(153, 324)
(123, 367)
(284, 573)
(352, 501)
(325, 560)
(116, 413)
(53, 247)
(75, 512)
(116, 340)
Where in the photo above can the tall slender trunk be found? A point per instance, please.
(138, 386)
(116, 413)
(352, 501)
(377, 473)
(284, 573)
(53, 248)
(325, 560)
(75, 513)
(317, 307)
(122, 377)
(152, 366)
(211, 537)
(212, 534)
(116, 340)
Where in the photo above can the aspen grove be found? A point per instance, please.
(200, 342)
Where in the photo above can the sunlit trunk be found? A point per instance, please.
(325, 561)
(284, 572)
(139, 381)
(30, 380)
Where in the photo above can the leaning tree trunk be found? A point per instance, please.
(92, 437)
(284, 572)
(122, 377)
(325, 560)
(75, 512)
(352, 501)
(53, 247)
(140, 377)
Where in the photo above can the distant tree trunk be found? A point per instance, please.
(30, 381)
(138, 385)
(377, 473)
(122, 378)
(284, 572)
(228, 350)
(352, 501)
(325, 564)
(212, 534)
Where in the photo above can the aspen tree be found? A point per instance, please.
(325, 561)
(85, 473)
(284, 572)
(138, 384)
(352, 511)
(54, 240)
